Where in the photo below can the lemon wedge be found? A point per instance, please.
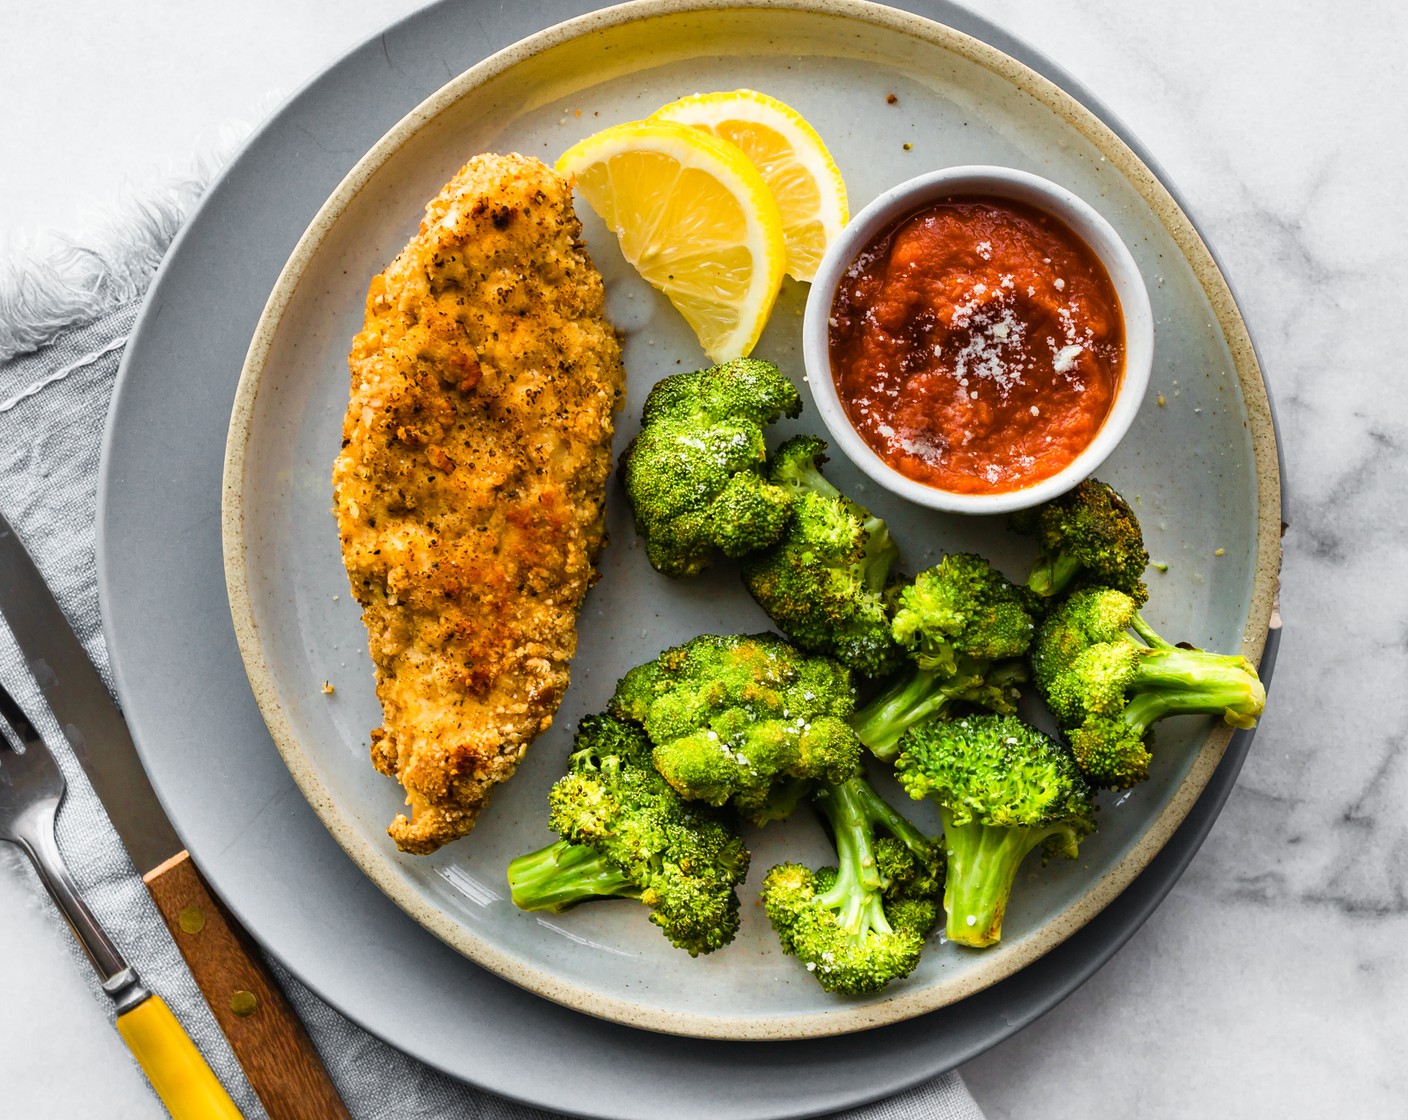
(695, 218)
(803, 178)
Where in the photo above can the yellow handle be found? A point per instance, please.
(173, 1065)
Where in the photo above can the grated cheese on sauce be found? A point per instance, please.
(976, 346)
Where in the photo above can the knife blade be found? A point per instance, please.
(265, 1033)
(83, 706)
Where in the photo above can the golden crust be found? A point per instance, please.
(470, 488)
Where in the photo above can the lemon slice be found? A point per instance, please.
(794, 163)
(696, 220)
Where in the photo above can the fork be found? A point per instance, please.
(31, 790)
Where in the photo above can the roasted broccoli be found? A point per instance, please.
(861, 924)
(1002, 788)
(1106, 688)
(627, 834)
(1088, 536)
(824, 582)
(743, 718)
(964, 626)
(694, 474)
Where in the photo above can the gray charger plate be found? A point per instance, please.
(205, 744)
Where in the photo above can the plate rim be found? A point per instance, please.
(843, 1018)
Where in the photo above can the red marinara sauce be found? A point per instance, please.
(977, 345)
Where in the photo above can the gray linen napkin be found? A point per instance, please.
(53, 401)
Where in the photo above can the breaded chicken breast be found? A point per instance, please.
(470, 488)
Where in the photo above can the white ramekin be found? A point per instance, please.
(992, 182)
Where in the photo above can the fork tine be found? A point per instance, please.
(16, 721)
(34, 759)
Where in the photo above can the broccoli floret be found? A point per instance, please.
(1088, 536)
(743, 718)
(694, 474)
(861, 924)
(1106, 686)
(965, 626)
(1002, 788)
(627, 834)
(824, 582)
(963, 607)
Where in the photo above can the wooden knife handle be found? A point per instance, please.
(265, 1033)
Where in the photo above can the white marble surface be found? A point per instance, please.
(1274, 980)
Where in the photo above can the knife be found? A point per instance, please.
(265, 1033)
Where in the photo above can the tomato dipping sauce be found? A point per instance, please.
(977, 345)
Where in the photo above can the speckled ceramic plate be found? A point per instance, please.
(893, 95)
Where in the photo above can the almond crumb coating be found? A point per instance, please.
(471, 485)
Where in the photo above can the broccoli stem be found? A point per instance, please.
(882, 722)
(1053, 574)
(879, 553)
(855, 896)
(1145, 631)
(775, 803)
(881, 812)
(564, 874)
(982, 866)
(808, 477)
(1174, 681)
(1007, 675)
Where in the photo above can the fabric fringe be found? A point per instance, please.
(57, 282)
(75, 282)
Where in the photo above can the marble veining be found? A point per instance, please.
(1274, 979)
